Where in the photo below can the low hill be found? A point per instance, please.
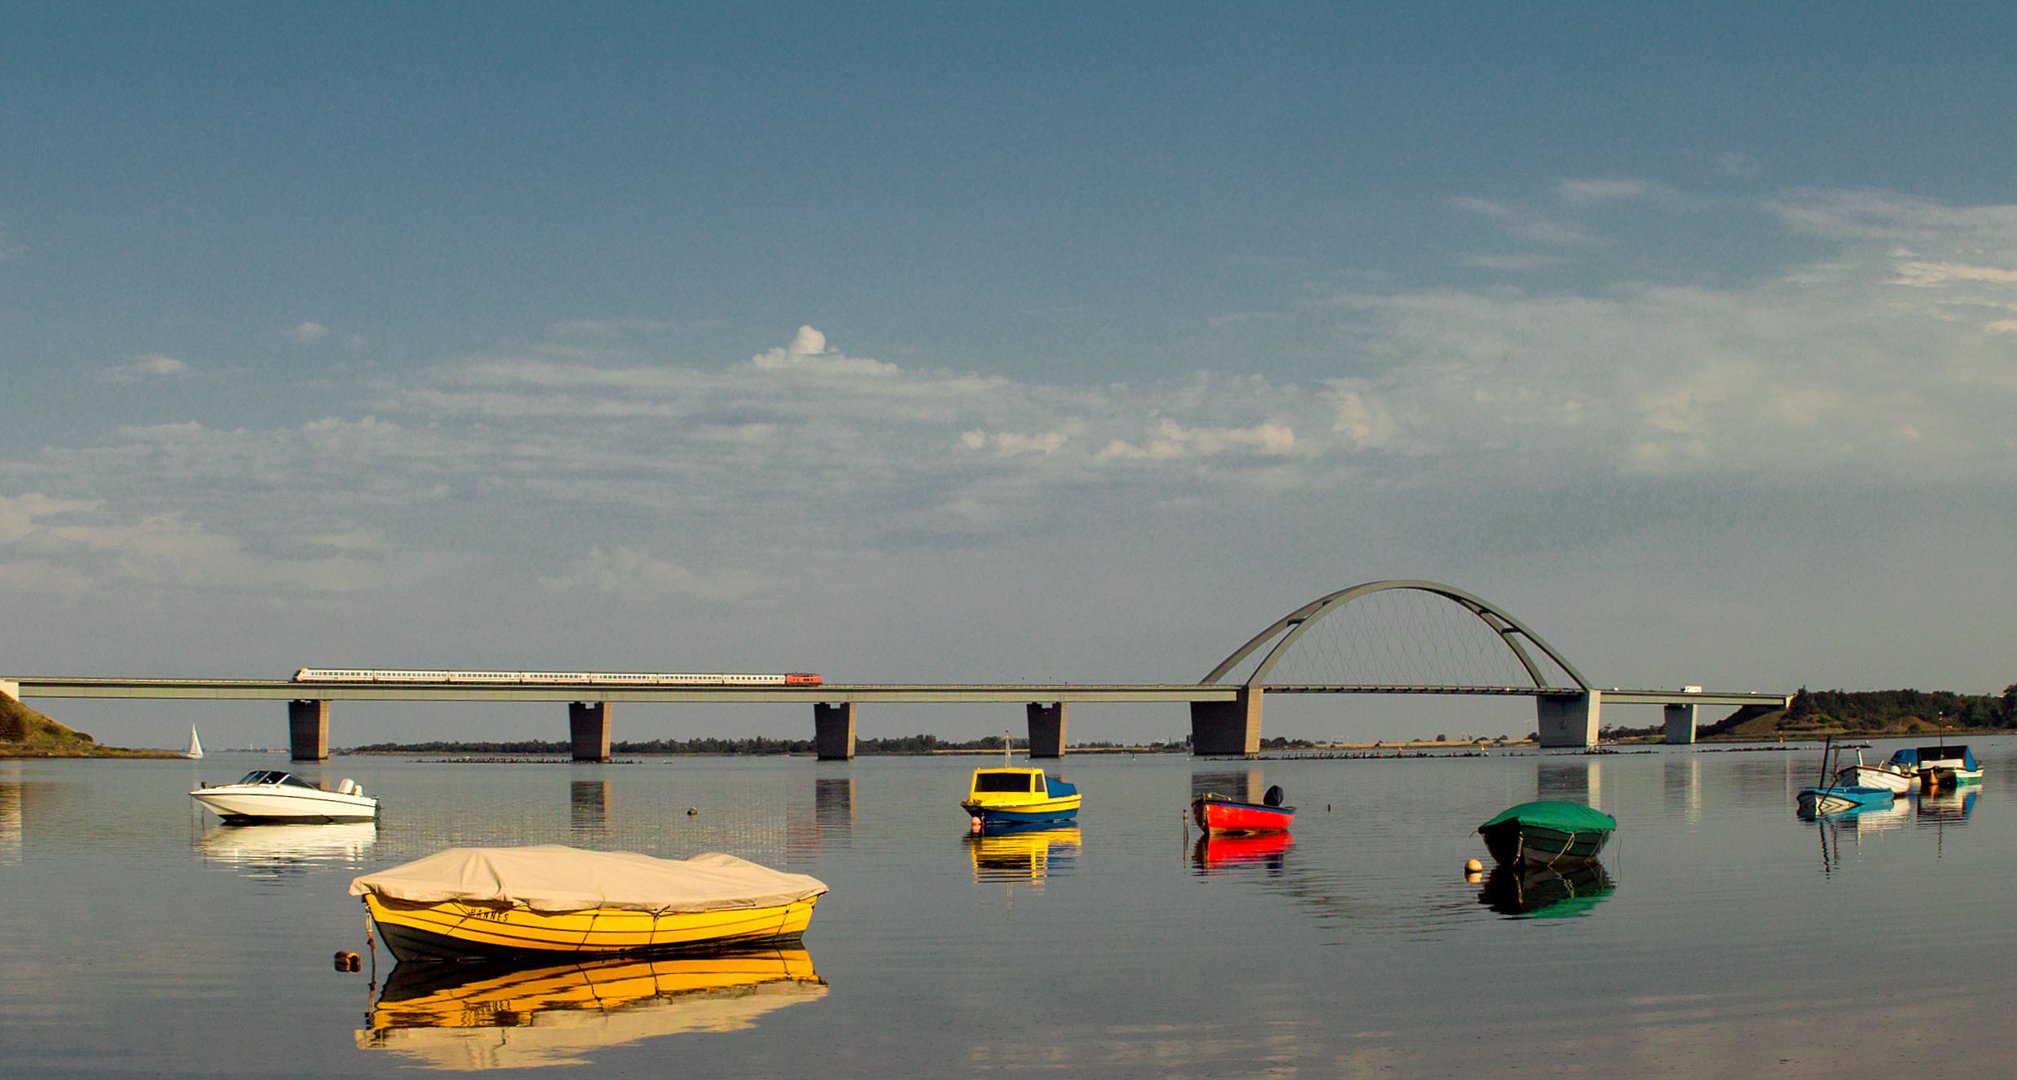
(1872, 713)
(27, 733)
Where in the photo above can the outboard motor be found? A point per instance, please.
(1274, 796)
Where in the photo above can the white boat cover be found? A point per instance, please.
(553, 877)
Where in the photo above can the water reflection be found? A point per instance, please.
(465, 1017)
(1538, 892)
(1023, 852)
(1947, 807)
(1875, 819)
(1681, 779)
(1577, 779)
(1218, 854)
(588, 808)
(1244, 784)
(10, 813)
(830, 822)
(276, 852)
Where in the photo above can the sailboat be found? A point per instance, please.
(195, 746)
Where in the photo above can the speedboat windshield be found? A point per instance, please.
(274, 776)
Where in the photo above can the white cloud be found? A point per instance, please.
(309, 333)
(1927, 274)
(1527, 224)
(154, 366)
(1171, 441)
(1010, 443)
(808, 352)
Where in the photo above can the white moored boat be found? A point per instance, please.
(1887, 776)
(273, 795)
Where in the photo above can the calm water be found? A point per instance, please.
(140, 937)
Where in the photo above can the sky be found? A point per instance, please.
(1027, 343)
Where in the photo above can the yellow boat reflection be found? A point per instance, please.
(1022, 853)
(464, 1017)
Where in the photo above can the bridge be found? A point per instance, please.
(1382, 637)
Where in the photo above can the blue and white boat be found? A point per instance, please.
(1939, 766)
(1833, 799)
(1838, 795)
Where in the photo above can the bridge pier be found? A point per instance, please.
(1047, 729)
(1681, 724)
(308, 730)
(10, 690)
(1571, 720)
(833, 731)
(588, 724)
(1227, 728)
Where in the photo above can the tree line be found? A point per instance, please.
(1891, 710)
(710, 744)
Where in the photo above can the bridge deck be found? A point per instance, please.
(289, 690)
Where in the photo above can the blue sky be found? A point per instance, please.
(924, 342)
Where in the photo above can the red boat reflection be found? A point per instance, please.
(1216, 852)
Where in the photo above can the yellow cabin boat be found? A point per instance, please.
(466, 903)
(1009, 796)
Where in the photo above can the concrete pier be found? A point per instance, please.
(833, 731)
(1570, 720)
(1681, 724)
(10, 689)
(588, 730)
(1227, 728)
(308, 730)
(1047, 729)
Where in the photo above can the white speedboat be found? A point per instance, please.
(273, 795)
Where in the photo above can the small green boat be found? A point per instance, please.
(1547, 833)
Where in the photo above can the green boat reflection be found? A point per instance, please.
(1537, 892)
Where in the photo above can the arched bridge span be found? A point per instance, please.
(1454, 651)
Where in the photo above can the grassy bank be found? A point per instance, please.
(26, 733)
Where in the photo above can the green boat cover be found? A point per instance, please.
(1565, 817)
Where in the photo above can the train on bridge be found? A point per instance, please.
(567, 678)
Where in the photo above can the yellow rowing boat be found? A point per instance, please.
(550, 900)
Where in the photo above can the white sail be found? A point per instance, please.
(195, 747)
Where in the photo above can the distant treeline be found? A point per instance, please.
(757, 744)
(1893, 710)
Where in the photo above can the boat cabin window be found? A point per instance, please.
(273, 776)
(1004, 781)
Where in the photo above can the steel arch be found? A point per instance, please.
(1299, 621)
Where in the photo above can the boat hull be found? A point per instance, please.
(1516, 843)
(1225, 816)
(1030, 813)
(1816, 802)
(266, 803)
(460, 930)
(1877, 776)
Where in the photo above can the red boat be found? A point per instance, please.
(1215, 813)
